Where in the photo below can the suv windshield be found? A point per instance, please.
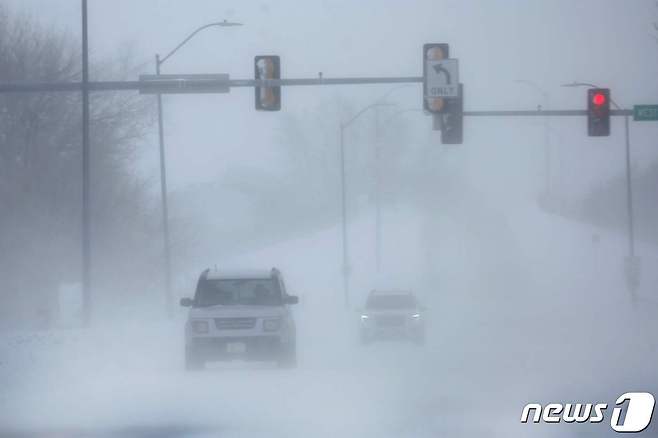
(391, 302)
(258, 292)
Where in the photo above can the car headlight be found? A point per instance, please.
(200, 326)
(364, 318)
(271, 325)
(416, 316)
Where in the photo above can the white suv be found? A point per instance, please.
(392, 314)
(240, 315)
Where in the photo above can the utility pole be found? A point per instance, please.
(86, 224)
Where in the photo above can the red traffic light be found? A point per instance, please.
(598, 99)
(598, 112)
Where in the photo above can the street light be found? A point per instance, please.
(343, 126)
(398, 113)
(378, 180)
(547, 146)
(632, 266)
(163, 169)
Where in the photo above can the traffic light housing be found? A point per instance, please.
(452, 125)
(433, 52)
(267, 98)
(598, 112)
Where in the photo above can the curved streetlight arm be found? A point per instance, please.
(388, 93)
(224, 23)
(360, 113)
(532, 84)
(378, 103)
(400, 112)
(587, 84)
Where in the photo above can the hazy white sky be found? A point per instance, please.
(607, 42)
(512, 293)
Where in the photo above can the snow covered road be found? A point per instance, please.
(562, 329)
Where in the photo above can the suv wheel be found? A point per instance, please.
(288, 357)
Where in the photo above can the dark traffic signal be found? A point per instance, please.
(433, 52)
(267, 98)
(452, 125)
(598, 112)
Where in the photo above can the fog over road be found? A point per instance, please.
(494, 344)
(496, 221)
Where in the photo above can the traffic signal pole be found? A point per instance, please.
(157, 86)
(147, 87)
(629, 191)
(633, 262)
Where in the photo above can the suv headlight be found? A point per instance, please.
(200, 326)
(272, 325)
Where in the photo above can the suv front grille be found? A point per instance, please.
(389, 320)
(235, 323)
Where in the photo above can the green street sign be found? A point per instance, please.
(645, 113)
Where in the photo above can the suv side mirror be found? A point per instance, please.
(186, 302)
(291, 299)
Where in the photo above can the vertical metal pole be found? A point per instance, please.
(547, 147)
(378, 204)
(165, 207)
(632, 262)
(86, 230)
(346, 268)
(629, 192)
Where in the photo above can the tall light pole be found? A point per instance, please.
(547, 128)
(346, 269)
(86, 218)
(632, 262)
(378, 180)
(163, 168)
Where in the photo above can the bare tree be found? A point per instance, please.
(40, 175)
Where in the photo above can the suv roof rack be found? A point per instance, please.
(391, 292)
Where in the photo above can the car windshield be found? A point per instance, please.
(391, 302)
(259, 292)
